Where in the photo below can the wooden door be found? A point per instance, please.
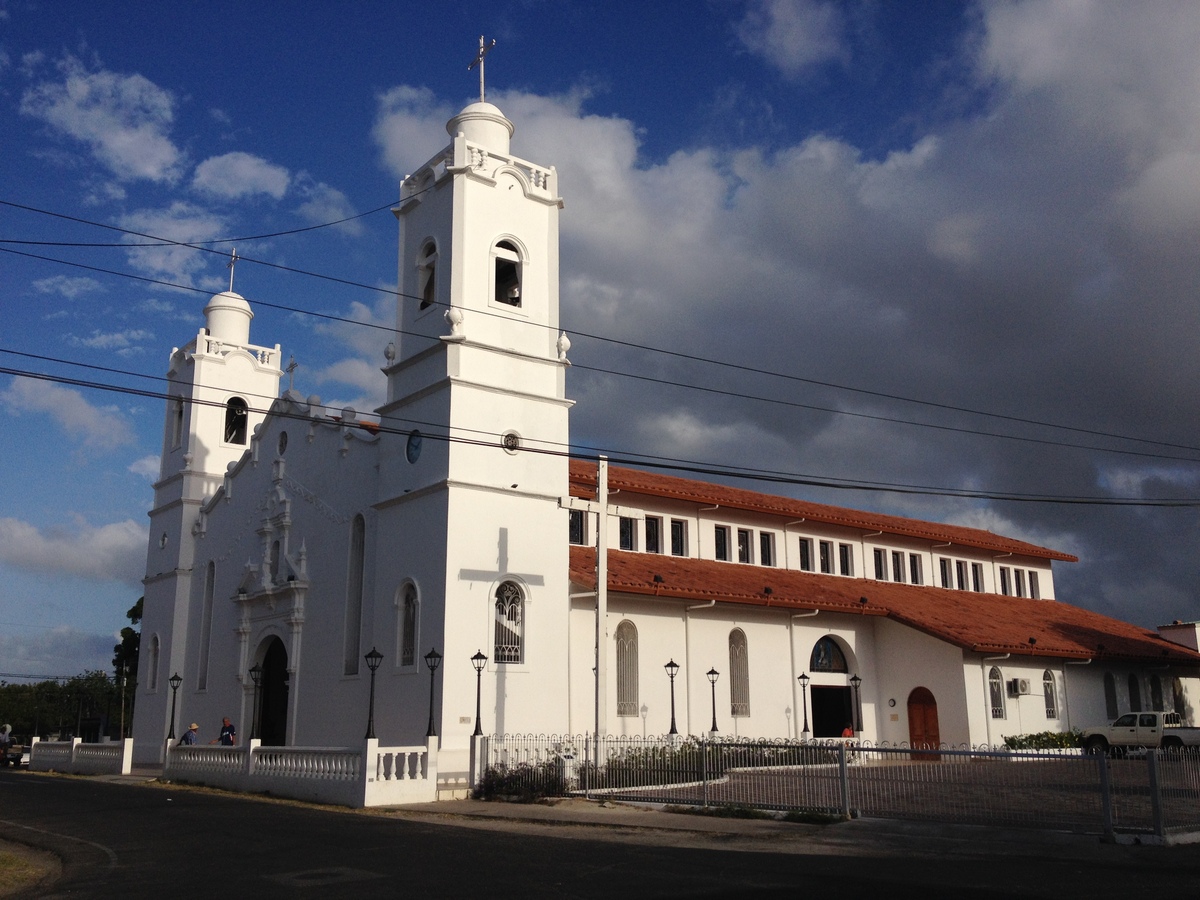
(923, 731)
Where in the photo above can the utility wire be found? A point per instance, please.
(200, 245)
(695, 467)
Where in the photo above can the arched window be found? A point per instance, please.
(206, 614)
(427, 275)
(176, 422)
(354, 596)
(1177, 698)
(1110, 696)
(827, 656)
(627, 669)
(739, 674)
(1135, 693)
(152, 675)
(1156, 693)
(1051, 693)
(510, 624)
(408, 626)
(235, 421)
(274, 562)
(507, 260)
(996, 692)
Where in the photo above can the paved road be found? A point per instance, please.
(132, 840)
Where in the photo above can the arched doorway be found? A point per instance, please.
(923, 733)
(272, 722)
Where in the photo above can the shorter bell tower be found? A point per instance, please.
(220, 387)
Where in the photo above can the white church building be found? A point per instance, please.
(286, 543)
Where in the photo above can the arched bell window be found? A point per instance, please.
(235, 421)
(427, 275)
(510, 624)
(506, 259)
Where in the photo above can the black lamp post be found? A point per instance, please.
(433, 659)
(856, 683)
(374, 658)
(478, 661)
(804, 679)
(713, 675)
(672, 667)
(256, 673)
(175, 681)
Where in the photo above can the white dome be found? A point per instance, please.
(483, 124)
(227, 318)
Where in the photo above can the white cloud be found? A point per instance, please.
(124, 119)
(402, 126)
(356, 372)
(793, 35)
(147, 467)
(67, 286)
(115, 340)
(57, 651)
(237, 175)
(112, 552)
(99, 428)
(324, 204)
(183, 222)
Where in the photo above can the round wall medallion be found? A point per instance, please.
(511, 442)
(412, 449)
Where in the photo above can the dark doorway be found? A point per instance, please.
(831, 710)
(923, 730)
(272, 727)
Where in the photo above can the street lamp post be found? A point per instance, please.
(713, 675)
(856, 683)
(374, 658)
(175, 681)
(478, 661)
(672, 668)
(645, 712)
(804, 680)
(433, 659)
(256, 673)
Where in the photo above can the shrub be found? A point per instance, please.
(1044, 740)
(523, 783)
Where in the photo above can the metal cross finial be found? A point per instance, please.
(291, 369)
(478, 61)
(233, 258)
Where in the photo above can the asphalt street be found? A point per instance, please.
(145, 839)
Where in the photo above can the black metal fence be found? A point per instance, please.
(1152, 792)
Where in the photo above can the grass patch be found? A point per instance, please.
(19, 872)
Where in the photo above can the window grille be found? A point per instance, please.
(739, 674)
(1051, 692)
(996, 690)
(510, 624)
(408, 633)
(627, 669)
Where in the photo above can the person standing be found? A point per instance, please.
(191, 736)
(228, 735)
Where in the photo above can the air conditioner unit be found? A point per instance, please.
(1018, 686)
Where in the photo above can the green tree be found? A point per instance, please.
(125, 660)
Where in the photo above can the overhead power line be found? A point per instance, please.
(693, 467)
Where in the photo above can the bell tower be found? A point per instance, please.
(220, 387)
(476, 392)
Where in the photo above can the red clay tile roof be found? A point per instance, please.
(984, 623)
(635, 481)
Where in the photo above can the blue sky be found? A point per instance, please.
(943, 245)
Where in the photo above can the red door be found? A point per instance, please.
(923, 723)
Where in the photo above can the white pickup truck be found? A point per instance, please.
(1142, 729)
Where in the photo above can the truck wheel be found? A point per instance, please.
(1172, 745)
(1096, 746)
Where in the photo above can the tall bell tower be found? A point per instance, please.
(220, 387)
(476, 391)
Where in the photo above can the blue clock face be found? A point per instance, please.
(412, 450)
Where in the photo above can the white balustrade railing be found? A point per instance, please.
(74, 757)
(370, 776)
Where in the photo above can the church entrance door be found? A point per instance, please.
(273, 715)
(831, 710)
(923, 723)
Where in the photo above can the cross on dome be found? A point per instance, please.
(478, 61)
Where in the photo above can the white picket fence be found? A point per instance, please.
(345, 776)
(74, 757)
